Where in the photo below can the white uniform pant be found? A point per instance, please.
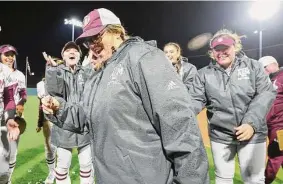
(13, 156)
(64, 158)
(251, 160)
(50, 150)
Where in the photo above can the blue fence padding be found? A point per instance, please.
(32, 91)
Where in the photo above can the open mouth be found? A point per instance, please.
(72, 57)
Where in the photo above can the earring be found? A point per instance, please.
(113, 49)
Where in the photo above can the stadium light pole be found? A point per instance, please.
(262, 10)
(73, 22)
(28, 71)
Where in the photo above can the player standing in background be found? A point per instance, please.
(186, 70)
(42, 123)
(8, 58)
(10, 129)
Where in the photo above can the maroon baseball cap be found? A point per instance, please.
(7, 48)
(222, 40)
(96, 21)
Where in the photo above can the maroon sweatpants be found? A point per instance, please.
(275, 161)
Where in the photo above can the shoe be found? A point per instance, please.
(50, 178)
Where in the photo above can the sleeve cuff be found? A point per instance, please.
(252, 125)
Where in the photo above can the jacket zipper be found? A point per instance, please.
(90, 102)
(232, 99)
(224, 82)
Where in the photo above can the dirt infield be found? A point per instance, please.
(202, 120)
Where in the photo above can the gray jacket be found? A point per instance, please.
(244, 96)
(60, 81)
(143, 129)
(187, 72)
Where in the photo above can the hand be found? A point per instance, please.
(244, 132)
(49, 59)
(38, 129)
(89, 57)
(19, 110)
(49, 104)
(13, 130)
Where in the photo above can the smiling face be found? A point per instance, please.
(8, 58)
(172, 53)
(71, 56)
(224, 55)
(102, 46)
(223, 50)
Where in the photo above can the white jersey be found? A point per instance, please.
(19, 77)
(41, 90)
(5, 81)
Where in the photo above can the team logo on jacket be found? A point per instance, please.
(243, 73)
(116, 74)
(80, 79)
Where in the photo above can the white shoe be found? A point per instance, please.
(50, 178)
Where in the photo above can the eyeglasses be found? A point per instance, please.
(93, 40)
(88, 42)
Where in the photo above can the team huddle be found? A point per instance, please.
(130, 110)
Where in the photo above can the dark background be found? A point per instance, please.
(34, 27)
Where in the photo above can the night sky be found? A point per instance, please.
(34, 27)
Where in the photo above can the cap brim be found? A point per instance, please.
(221, 46)
(71, 44)
(89, 33)
(8, 50)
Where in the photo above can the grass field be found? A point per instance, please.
(31, 167)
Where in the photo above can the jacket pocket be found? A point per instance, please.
(129, 167)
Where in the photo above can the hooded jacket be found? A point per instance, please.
(187, 72)
(142, 127)
(242, 96)
(61, 81)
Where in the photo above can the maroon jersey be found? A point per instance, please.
(275, 116)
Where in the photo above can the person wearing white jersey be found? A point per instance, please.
(9, 129)
(8, 58)
(50, 149)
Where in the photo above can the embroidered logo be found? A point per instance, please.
(86, 20)
(115, 76)
(243, 73)
(172, 85)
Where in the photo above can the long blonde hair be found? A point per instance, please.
(225, 32)
(179, 52)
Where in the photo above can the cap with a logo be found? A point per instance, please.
(222, 40)
(7, 48)
(71, 45)
(266, 60)
(96, 21)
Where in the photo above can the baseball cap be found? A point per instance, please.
(222, 40)
(95, 21)
(71, 44)
(7, 48)
(266, 60)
